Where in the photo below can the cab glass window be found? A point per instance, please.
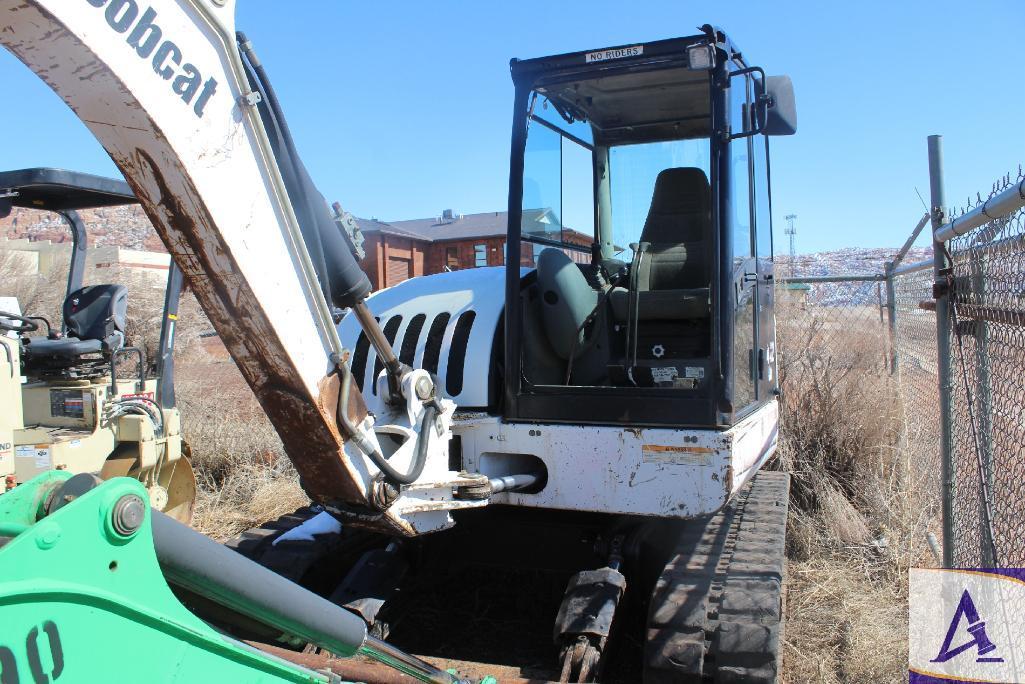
(632, 173)
(558, 179)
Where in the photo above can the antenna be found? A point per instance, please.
(792, 232)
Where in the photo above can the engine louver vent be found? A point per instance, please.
(411, 339)
(391, 328)
(435, 336)
(457, 353)
(359, 359)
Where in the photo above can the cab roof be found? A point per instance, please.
(617, 57)
(642, 92)
(59, 190)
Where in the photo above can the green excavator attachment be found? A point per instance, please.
(86, 570)
(83, 598)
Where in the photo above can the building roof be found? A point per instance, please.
(488, 224)
(459, 227)
(369, 226)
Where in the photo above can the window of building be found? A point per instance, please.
(452, 258)
(480, 255)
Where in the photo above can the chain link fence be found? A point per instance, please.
(956, 356)
(834, 321)
(952, 340)
(834, 363)
(986, 293)
(916, 375)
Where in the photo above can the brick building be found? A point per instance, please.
(400, 250)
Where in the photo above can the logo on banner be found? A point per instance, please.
(966, 626)
(976, 630)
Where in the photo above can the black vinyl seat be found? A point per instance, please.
(69, 347)
(95, 319)
(670, 274)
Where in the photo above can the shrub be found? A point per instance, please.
(862, 498)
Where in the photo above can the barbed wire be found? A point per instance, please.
(999, 185)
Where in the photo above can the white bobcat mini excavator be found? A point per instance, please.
(597, 420)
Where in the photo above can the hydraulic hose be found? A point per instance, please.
(354, 284)
(426, 428)
(280, 126)
(390, 473)
(344, 283)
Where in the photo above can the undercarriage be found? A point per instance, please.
(702, 600)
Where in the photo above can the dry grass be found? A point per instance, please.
(243, 476)
(38, 294)
(861, 503)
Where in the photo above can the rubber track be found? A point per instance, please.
(716, 612)
(291, 559)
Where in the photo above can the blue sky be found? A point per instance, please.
(403, 109)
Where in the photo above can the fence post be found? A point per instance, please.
(891, 308)
(938, 202)
(984, 391)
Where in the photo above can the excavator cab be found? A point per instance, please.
(65, 399)
(640, 189)
(632, 350)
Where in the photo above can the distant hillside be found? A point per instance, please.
(847, 261)
(128, 227)
(109, 226)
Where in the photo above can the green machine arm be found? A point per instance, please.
(85, 569)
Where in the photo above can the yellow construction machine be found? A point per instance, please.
(65, 400)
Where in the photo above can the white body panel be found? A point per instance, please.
(662, 472)
(480, 290)
(11, 414)
(647, 471)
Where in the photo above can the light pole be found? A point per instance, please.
(791, 231)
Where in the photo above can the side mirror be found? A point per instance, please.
(779, 115)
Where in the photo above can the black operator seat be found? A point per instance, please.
(95, 319)
(671, 271)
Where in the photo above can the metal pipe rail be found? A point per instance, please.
(865, 278)
(944, 373)
(911, 240)
(913, 267)
(996, 207)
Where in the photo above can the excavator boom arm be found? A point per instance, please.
(162, 86)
